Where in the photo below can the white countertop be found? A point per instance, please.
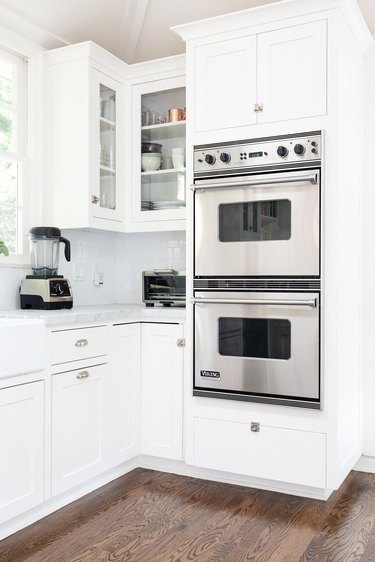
(109, 313)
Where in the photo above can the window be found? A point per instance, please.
(12, 150)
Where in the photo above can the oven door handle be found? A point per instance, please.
(312, 178)
(309, 302)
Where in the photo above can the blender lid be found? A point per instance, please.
(46, 231)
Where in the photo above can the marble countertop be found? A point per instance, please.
(108, 313)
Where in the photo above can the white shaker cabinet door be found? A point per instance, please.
(225, 88)
(161, 390)
(291, 72)
(81, 426)
(22, 448)
(126, 372)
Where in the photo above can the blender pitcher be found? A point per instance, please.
(44, 250)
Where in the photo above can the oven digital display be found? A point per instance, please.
(255, 154)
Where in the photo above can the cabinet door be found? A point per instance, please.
(291, 72)
(225, 84)
(158, 147)
(22, 448)
(108, 146)
(161, 390)
(126, 370)
(81, 426)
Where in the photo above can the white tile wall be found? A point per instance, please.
(121, 258)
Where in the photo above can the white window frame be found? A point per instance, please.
(32, 136)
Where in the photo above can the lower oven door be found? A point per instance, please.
(262, 347)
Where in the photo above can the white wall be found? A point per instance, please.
(369, 262)
(120, 257)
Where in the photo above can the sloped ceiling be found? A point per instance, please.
(133, 30)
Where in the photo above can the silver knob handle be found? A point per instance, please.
(83, 375)
(94, 199)
(81, 343)
(255, 427)
(181, 342)
(258, 107)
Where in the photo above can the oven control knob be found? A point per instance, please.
(299, 149)
(210, 159)
(282, 151)
(225, 157)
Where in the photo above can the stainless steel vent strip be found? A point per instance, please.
(260, 284)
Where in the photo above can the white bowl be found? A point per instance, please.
(150, 163)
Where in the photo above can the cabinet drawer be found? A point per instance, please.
(275, 453)
(83, 343)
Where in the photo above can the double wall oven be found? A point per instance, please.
(257, 245)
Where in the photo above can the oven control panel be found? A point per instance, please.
(264, 152)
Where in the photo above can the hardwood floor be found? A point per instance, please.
(149, 516)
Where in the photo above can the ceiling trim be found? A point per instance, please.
(131, 27)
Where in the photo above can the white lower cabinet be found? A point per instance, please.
(275, 453)
(161, 390)
(125, 360)
(81, 426)
(22, 448)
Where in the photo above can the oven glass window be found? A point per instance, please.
(265, 338)
(255, 221)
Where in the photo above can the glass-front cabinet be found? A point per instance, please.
(106, 198)
(158, 155)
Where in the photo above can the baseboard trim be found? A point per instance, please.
(365, 464)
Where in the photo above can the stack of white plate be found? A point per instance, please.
(164, 205)
(146, 205)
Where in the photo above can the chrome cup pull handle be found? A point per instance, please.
(81, 343)
(83, 375)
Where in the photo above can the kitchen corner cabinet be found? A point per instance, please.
(84, 141)
(22, 448)
(273, 76)
(125, 364)
(161, 390)
(158, 196)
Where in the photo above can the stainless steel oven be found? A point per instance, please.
(257, 244)
(258, 346)
(257, 208)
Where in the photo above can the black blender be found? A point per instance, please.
(45, 290)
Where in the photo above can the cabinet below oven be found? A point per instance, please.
(275, 453)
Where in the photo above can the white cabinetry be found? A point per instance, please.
(157, 197)
(273, 76)
(125, 364)
(276, 453)
(84, 138)
(81, 406)
(22, 448)
(161, 390)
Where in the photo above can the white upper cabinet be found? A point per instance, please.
(225, 86)
(249, 80)
(291, 72)
(84, 139)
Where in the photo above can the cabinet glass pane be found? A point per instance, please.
(163, 150)
(107, 148)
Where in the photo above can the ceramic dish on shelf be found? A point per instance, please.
(164, 205)
(150, 162)
(152, 147)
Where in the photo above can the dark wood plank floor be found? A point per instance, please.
(149, 516)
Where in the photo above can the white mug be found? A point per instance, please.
(178, 157)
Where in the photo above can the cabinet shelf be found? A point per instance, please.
(105, 171)
(106, 124)
(164, 130)
(180, 171)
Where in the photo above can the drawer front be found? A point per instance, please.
(83, 343)
(275, 453)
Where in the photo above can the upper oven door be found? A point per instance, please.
(263, 225)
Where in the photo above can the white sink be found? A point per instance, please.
(22, 346)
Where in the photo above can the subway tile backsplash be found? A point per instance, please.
(117, 260)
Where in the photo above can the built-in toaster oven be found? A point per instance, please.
(166, 287)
